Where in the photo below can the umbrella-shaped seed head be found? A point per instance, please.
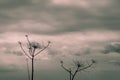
(34, 45)
(61, 62)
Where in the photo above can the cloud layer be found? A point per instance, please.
(79, 28)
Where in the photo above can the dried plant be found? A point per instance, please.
(78, 67)
(34, 48)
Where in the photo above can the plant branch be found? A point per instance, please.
(29, 43)
(86, 67)
(42, 49)
(65, 68)
(75, 73)
(24, 51)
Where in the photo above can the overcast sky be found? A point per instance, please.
(78, 29)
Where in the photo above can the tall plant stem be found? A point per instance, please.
(32, 74)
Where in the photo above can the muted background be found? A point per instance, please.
(78, 29)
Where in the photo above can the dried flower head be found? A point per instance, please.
(49, 41)
(78, 64)
(19, 42)
(34, 45)
(61, 62)
(93, 61)
(26, 35)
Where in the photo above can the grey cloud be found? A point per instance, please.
(12, 10)
(63, 18)
(78, 19)
(12, 4)
(114, 47)
(10, 48)
(83, 52)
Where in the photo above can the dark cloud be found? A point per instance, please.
(11, 4)
(113, 47)
(15, 10)
(63, 18)
(8, 6)
(78, 19)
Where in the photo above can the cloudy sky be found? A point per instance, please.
(78, 29)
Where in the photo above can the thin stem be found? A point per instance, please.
(70, 74)
(75, 73)
(28, 39)
(33, 53)
(68, 70)
(65, 68)
(29, 43)
(32, 74)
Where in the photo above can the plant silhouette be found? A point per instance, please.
(78, 68)
(34, 48)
